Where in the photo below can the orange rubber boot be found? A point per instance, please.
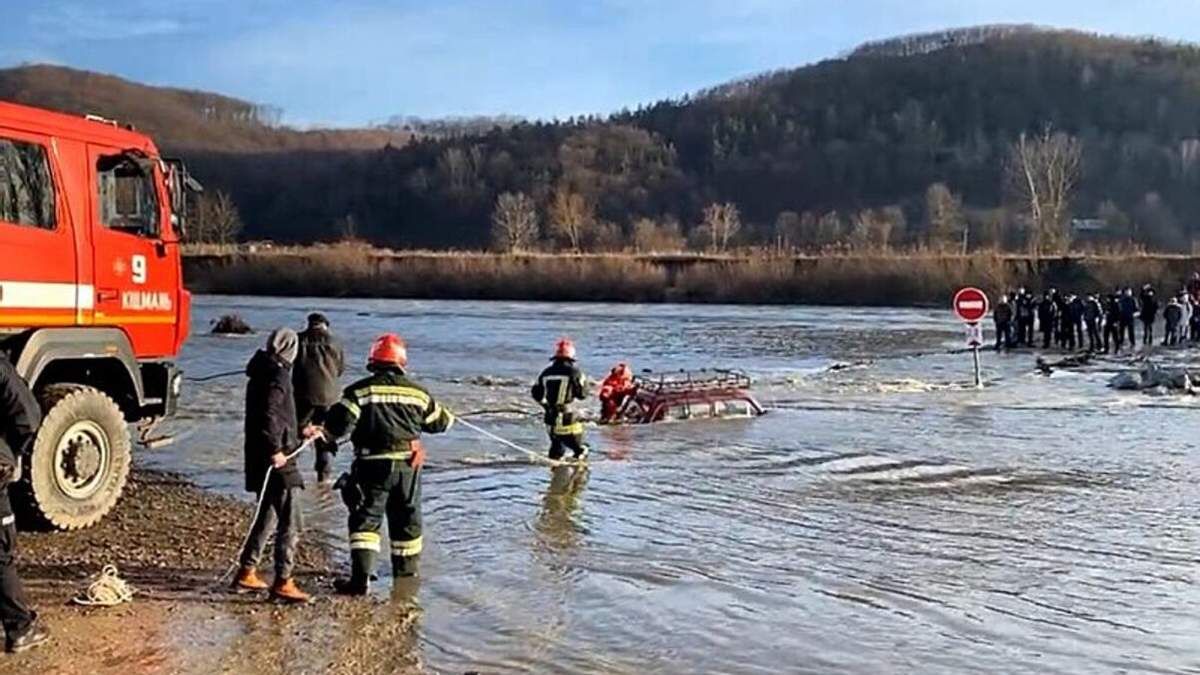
(247, 579)
(287, 591)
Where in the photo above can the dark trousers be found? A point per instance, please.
(280, 513)
(315, 414)
(1172, 336)
(1127, 330)
(15, 612)
(1004, 337)
(1147, 332)
(1093, 334)
(391, 488)
(1047, 335)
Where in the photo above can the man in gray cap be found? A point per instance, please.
(271, 435)
(320, 363)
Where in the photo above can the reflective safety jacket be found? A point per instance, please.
(560, 385)
(387, 411)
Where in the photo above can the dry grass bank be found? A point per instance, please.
(866, 279)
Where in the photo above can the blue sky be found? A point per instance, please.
(351, 62)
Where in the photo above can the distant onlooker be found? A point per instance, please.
(320, 364)
(1149, 314)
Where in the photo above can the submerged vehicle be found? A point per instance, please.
(689, 395)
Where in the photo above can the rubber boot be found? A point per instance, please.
(405, 566)
(247, 580)
(362, 563)
(287, 591)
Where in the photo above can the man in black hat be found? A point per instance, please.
(319, 366)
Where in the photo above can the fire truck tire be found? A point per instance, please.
(81, 458)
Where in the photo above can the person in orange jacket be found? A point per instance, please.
(617, 387)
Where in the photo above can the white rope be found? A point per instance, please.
(108, 589)
(262, 496)
(535, 456)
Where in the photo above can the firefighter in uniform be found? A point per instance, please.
(388, 412)
(560, 385)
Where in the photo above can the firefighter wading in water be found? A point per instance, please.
(387, 412)
(560, 385)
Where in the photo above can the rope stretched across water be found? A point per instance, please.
(216, 376)
(535, 456)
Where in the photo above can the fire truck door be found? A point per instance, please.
(135, 278)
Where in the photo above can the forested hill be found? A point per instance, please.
(866, 133)
(180, 120)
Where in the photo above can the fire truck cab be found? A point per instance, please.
(92, 306)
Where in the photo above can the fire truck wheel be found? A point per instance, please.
(81, 458)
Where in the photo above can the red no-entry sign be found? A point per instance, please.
(971, 304)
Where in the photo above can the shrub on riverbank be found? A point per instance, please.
(863, 279)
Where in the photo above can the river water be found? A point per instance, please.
(883, 517)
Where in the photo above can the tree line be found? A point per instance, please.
(1015, 139)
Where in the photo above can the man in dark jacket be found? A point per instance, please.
(559, 386)
(320, 363)
(1127, 311)
(1047, 313)
(1093, 313)
(1003, 316)
(1149, 314)
(1024, 311)
(1112, 322)
(388, 412)
(20, 417)
(271, 435)
(1172, 315)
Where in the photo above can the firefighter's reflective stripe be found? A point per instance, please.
(437, 413)
(385, 399)
(398, 455)
(386, 393)
(407, 548)
(368, 541)
(564, 388)
(351, 406)
(568, 429)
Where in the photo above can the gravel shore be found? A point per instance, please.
(172, 541)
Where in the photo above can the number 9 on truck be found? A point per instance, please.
(138, 267)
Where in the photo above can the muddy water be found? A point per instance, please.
(881, 518)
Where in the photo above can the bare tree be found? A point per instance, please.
(943, 216)
(1041, 175)
(721, 223)
(217, 219)
(787, 230)
(570, 216)
(651, 236)
(514, 222)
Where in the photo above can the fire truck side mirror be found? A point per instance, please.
(180, 184)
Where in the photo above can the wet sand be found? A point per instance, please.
(171, 541)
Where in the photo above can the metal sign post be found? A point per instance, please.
(971, 305)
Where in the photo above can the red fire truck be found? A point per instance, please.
(92, 305)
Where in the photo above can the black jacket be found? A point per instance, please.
(20, 418)
(1003, 313)
(1127, 308)
(560, 385)
(1173, 313)
(388, 411)
(270, 420)
(320, 363)
(1149, 311)
(20, 415)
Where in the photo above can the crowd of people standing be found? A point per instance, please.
(1097, 322)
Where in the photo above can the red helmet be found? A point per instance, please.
(388, 349)
(564, 349)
